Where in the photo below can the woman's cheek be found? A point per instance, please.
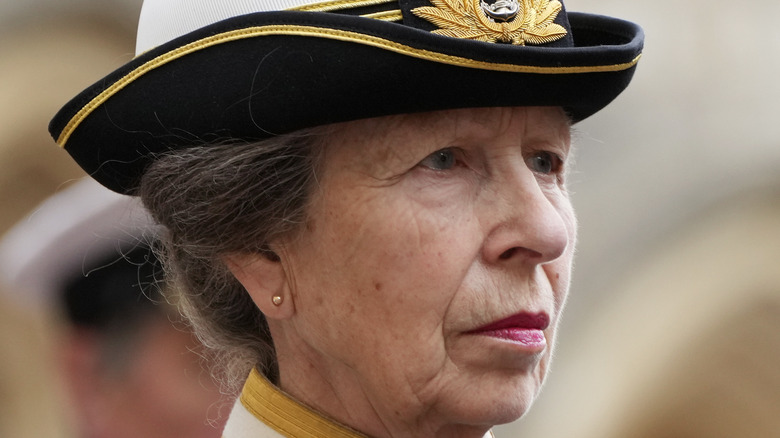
(443, 194)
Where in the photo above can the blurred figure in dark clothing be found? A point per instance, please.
(129, 368)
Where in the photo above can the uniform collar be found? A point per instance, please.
(286, 415)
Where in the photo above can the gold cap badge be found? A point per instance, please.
(518, 22)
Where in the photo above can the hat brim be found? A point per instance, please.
(259, 75)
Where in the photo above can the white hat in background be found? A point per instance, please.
(65, 236)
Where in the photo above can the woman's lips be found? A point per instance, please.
(523, 328)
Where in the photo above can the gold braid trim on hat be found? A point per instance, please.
(335, 5)
(395, 15)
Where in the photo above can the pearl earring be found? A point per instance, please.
(277, 300)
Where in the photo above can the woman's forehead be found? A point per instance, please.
(393, 143)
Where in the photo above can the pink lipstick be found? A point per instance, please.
(522, 328)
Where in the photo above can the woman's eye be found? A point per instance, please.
(544, 162)
(443, 159)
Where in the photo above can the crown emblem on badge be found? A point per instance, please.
(518, 22)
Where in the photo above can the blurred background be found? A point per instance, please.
(673, 323)
(102, 356)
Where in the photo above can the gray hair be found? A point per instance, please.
(215, 200)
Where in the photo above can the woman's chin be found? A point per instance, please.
(503, 388)
(510, 408)
(499, 405)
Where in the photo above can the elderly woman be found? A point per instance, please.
(365, 200)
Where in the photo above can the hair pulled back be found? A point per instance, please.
(215, 200)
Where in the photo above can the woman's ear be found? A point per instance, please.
(263, 276)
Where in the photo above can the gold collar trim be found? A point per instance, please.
(285, 415)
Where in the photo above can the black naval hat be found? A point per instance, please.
(211, 71)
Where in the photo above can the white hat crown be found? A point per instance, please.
(164, 20)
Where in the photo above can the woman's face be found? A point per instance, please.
(429, 280)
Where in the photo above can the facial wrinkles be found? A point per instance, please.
(499, 294)
(381, 168)
(419, 223)
(397, 147)
(530, 278)
(507, 133)
(380, 149)
(543, 283)
(518, 202)
(429, 391)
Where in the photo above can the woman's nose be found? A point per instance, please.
(528, 223)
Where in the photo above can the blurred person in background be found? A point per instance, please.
(128, 369)
(82, 38)
(30, 395)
